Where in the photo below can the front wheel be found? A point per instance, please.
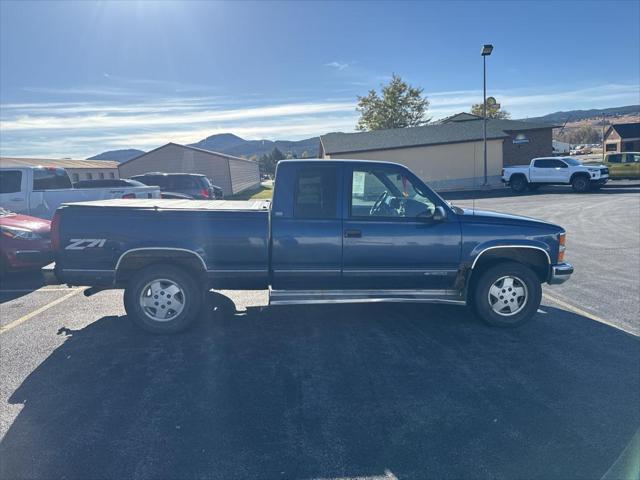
(507, 295)
(518, 184)
(163, 299)
(580, 184)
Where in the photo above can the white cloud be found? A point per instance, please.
(337, 65)
(84, 128)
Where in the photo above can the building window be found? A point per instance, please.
(89, 176)
(611, 147)
(112, 175)
(76, 177)
(627, 146)
(101, 175)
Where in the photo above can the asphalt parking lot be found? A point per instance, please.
(352, 391)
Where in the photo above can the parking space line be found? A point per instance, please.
(29, 316)
(579, 311)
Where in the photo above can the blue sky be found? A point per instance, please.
(78, 78)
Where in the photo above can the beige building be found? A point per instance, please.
(230, 173)
(77, 169)
(446, 157)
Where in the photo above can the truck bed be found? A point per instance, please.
(230, 239)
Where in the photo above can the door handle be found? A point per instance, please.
(352, 234)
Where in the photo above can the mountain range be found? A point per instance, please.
(576, 115)
(233, 145)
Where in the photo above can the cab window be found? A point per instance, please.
(387, 193)
(10, 181)
(316, 193)
(50, 179)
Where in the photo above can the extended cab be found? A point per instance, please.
(38, 191)
(336, 231)
(555, 171)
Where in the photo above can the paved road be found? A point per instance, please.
(393, 391)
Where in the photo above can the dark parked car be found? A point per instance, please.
(108, 183)
(25, 242)
(192, 184)
(336, 231)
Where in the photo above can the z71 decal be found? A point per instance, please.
(82, 243)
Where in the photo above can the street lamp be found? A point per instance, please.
(485, 52)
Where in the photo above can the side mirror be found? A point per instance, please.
(439, 214)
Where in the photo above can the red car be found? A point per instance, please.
(25, 242)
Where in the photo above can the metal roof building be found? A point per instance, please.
(77, 169)
(232, 174)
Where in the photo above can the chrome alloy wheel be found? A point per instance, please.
(162, 300)
(507, 296)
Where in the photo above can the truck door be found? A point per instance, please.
(390, 238)
(306, 227)
(13, 191)
(548, 170)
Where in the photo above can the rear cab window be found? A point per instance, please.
(316, 193)
(49, 178)
(10, 181)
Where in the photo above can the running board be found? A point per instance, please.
(293, 297)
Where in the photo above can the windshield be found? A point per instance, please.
(572, 161)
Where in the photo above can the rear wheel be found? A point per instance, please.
(580, 184)
(507, 295)
(163, 299)
(518, 184)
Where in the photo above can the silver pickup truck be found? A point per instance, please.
(39, 191)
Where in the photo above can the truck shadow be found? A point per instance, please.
(17, 284)
(357, 390)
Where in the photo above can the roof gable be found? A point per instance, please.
(627, 130)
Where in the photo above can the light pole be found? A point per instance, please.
(485, 52)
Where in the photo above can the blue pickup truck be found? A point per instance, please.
(336, 231)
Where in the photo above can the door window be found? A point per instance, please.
(316, 193)
(614, 158)
(10, 181)
(50, 178)
(387, 193)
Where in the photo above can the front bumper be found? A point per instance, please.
(600, 181)
(560, 273)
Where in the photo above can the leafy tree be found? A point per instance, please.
(580, 135)
(400, 105)
(494, 110)
(269, 161)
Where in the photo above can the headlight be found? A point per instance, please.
(19, 233)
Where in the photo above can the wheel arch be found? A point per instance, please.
(579, 174)
(135, 259)
(533, 256)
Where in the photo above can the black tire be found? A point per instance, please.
(580, 183)
(518, 184)
(521, 274)
(190, 296)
